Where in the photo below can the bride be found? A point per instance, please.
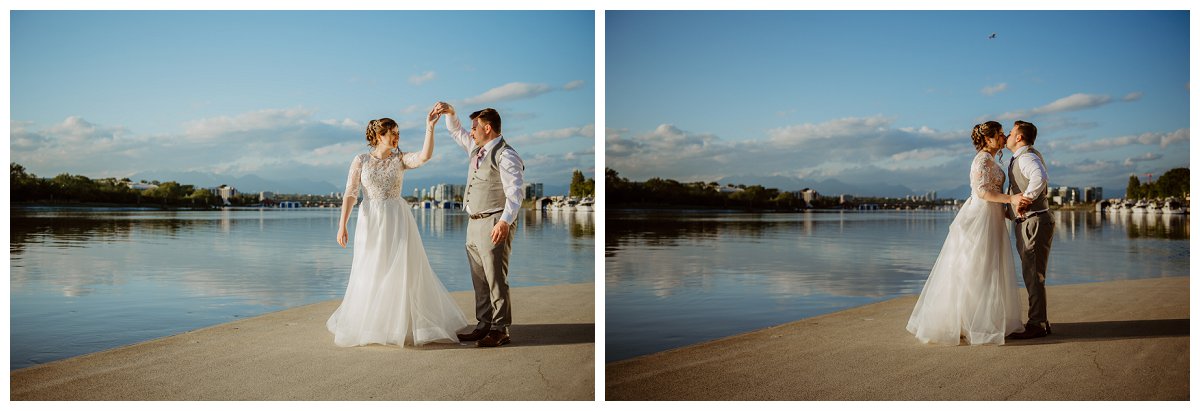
(971, 293)
(393, 296)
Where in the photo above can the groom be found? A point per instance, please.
(1032, 225)
(492, 199)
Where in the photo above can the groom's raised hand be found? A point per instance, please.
(444, 108)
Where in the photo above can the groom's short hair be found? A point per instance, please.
(1027, 129)
(490, 116)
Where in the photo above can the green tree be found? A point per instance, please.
(589, 188)
(1134, 189)
(203, 196)
(577, 184)
(1173, 183)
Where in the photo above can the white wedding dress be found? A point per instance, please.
(393, 296)
(971, 291)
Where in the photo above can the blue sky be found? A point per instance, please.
(890, 97)
(287, 94)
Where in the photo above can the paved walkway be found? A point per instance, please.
(1121, 340)
(289, 355)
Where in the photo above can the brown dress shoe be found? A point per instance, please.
(474, 335)
(495, 338)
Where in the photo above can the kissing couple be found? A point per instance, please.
(971, 293)
(393, 295)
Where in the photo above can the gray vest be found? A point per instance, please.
(1017, 182)
(485, 190)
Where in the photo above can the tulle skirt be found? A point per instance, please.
(971, 291)
(393, 296)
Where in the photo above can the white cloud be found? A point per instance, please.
(573, 85)
(843, 127)
(419, 79)
(1160, 139)
(1129, 162)
(255, 120)
(801, 150)
(344, 123)
(1092, 166)
(922, 154)
(510, 91)
(588, 131)
(1074, 102)
(24, 139)
(992, 90)
(272, 144)
(1134, 96)
(79, 131)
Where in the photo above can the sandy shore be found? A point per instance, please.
(289, 355)
(1121, 340)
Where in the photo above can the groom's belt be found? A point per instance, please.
(1022, 219)
(483, 215)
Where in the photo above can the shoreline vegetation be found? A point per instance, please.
(76, 191)
(667, 194)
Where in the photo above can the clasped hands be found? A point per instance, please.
(436, 112)
(1019, 203)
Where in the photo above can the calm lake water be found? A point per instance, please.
(88, 280)
(677, 278)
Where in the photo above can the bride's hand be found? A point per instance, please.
(342, 237)
(434, 115)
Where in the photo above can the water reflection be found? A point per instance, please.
(123, 276)
(675, 279)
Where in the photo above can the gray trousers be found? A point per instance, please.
(1033, 245)
(489, 274)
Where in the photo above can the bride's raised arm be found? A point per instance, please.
(414, 160)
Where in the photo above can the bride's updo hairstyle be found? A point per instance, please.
(377, 128)
(982, 132)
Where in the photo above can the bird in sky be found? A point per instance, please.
(992, 36)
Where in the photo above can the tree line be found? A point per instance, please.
(1173, 183)
(68, 188)
(621, 192)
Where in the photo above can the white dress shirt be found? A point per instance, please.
(512, 170)
(1031, 166)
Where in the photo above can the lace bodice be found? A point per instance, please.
(379, 179)
(986, 175)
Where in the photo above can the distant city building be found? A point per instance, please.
(533, 190)
(1064, 195)
(809, 195)
(447, 192)
(726, 189)
(265, 195)
(289, 204)
(845, 198)
(140, 186)
(225, 192)
(1093, 194)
